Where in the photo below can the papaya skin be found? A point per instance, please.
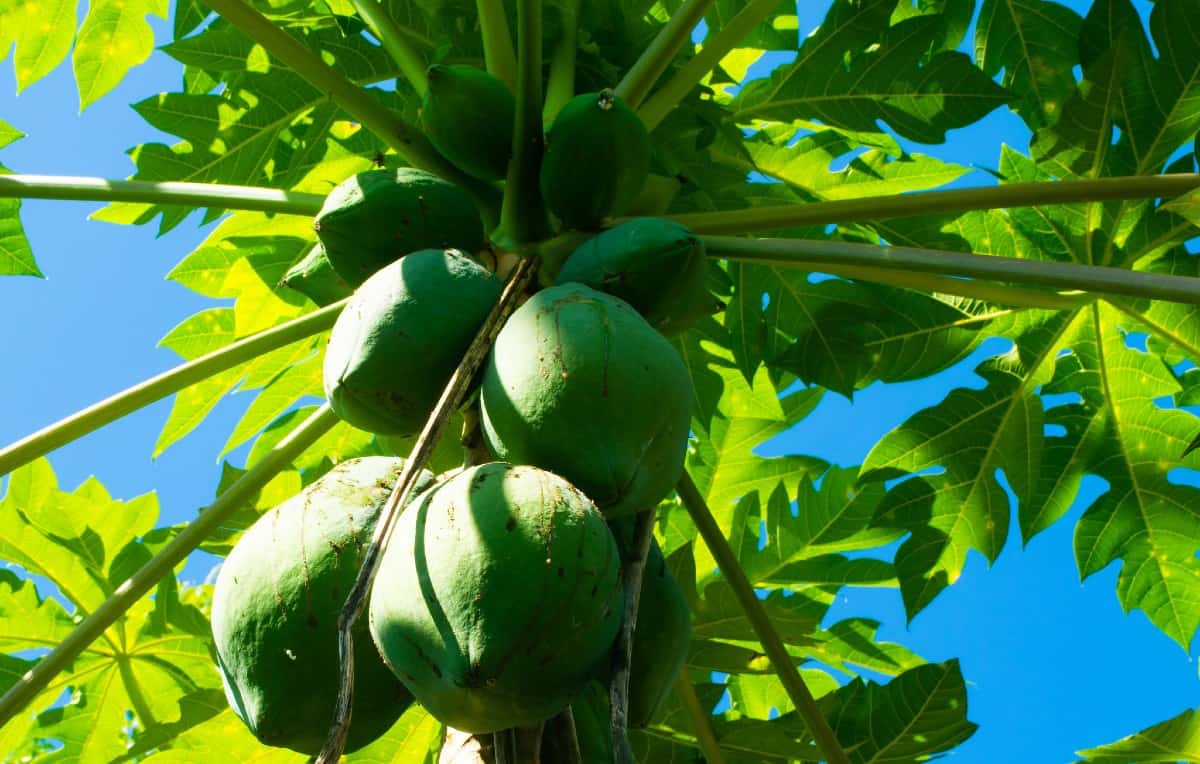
(375, 217)
(596, 160)
(314, 277)
(395, 345)
(468, 117)
(661, 638)
(655, 265)
(579, 384)
(275, 608)
(498, 597)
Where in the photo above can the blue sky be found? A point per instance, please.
(1052, 665)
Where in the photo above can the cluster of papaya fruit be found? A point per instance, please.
(499, 595)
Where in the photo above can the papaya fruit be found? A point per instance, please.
(579, 384)
(400, 337)
(661, 638)
(313, 277)
(275, 607)
(375, 217)
(498, 597)
(655, 265)
(595, 161)
(468, 117)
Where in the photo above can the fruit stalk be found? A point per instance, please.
(451, 398)
(163, 563)
(215, 195)
(869, 208)
(816, 254)
(560, 87)
(156, 388)
(498, 55)
(633, 564)
(827, 743)
(636, 83)
(382, 25)
(705, 737)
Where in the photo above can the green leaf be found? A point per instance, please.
(1175, 740)
(113, 38)
(16, 256)
(42, 31)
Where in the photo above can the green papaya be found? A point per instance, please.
(596, 159)
(316, 279)
(375, 217)
(655, 265)
(468, 117)
(394, 347)
(661, 638)
(579, 384)
(498, 597)
(275, 607)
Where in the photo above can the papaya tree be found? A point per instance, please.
(442, 220)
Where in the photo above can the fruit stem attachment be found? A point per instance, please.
(705, 737)
(523, 215)
(215, 195)
(163, 564)
(383, 26)
(158, 387)
(758, 220)
(655, 59)
(407, 140)
(633, 565)
(716, 47)
(827, 743)
(560, 87)
(816, 254)
(451, 398)
(498, 54)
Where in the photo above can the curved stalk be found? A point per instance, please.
(163, 563)
(700, 720)
(636, 83)
(560, 87)
(383, 26)
(498, 54)
(633, 565)
(760, 219)
(776, 651)
(716, 47)
(407, 140)
(156, 388)
(79, 188)
(815, 255)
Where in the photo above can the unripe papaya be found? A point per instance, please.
(468, 117)
(275, 608)
(655, 265)
(661, 638)
(579, 384)
(498, 597)
(596, 160)
(371, 219)
(316, 279)
(400, 337)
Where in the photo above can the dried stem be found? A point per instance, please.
(449, 401)
(633, 563)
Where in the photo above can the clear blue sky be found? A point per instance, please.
(1052, 665)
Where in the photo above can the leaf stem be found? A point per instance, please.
(172, 381)
(78, 188)
(560, 87)
(716, 47)
(498, 54)
(815, 255)
(774, 218)
(655, 59)
(451, 398)
(700, 720)
(772, 643)
(633, 565)
(383, 26)
(406, 139)
(163, 563)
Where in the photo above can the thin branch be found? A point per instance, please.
(156, 388)
(816, 255)
(772, 643)
(163, 563)
(451, 398)
(406, 139)
(560, 87)
(716, 47)
(655, 59)
(498, 54)
(774, 218)
(633, 564)
(701, 720)
(391, 36)
(215, 195)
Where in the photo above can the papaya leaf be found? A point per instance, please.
(113, 38)
(1175, 740)
(16, 256)
(43, 32)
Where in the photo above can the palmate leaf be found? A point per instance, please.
(1175, 740)
(16, 256)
